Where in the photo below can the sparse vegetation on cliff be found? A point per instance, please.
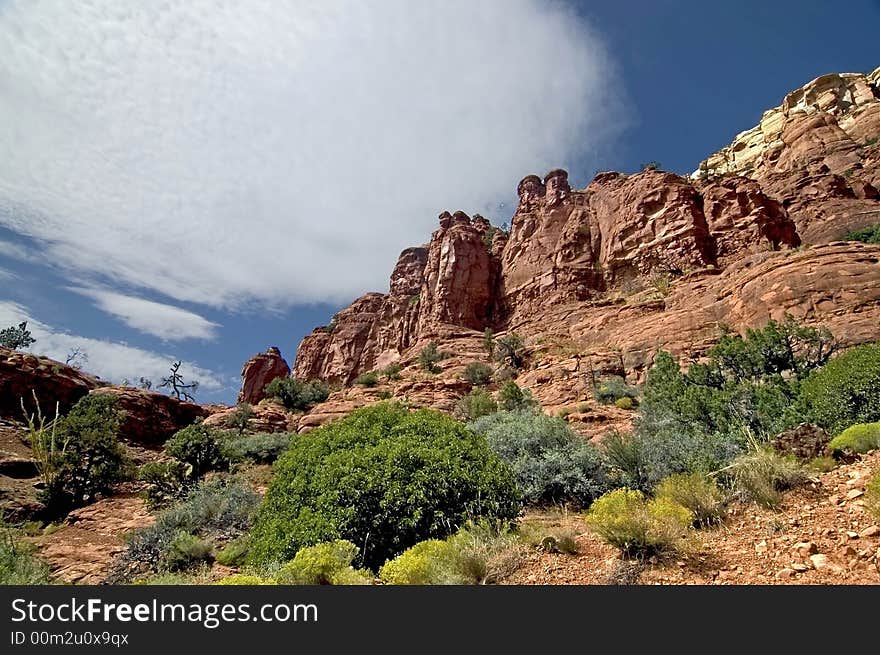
(297, 395)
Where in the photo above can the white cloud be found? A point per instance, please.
(111, 361)
(164, 321)
(223, 152)
(6, 275)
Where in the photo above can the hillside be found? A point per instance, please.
(573, 303)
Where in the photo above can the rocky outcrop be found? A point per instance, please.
(267, 417)
(816, 153)
(151, 417)
(259, 371)
(826, 120)
(634, 263)
(23, 374)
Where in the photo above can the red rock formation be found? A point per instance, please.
(633, 263)
(458, 286)
(259, 371)
(151, 417)
(266, 418)
(22, 373)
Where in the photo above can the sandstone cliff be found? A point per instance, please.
(599, 279)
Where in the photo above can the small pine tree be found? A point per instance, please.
(16, 337)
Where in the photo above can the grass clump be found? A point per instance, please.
(761, 474)
(698, 493)
(184, 550)
(392, 371)
(234, 553)
(429, 356)
(18, 564)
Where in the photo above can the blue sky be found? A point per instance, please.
(201, 179)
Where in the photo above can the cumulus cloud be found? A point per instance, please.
(164, 321)
(109, 360)
(222, 152)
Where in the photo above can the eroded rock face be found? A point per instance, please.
(22, 373)
(816, 154)
(259, 371)
(634, 263)
(458, 285)
(151, 417)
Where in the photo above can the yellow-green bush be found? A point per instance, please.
(625, 518)
(872, 497)
(480, 553)
(858, 438)
(697, 493)
(325, 563)
(426, 563)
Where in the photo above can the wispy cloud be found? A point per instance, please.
(164, 321)
(6, 275)
(222, 152)
(109, 360)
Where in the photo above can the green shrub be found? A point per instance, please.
(296, 395)
(323, 564)
(214, 510)
(18, 564)
(478, 373)
(242, 579)
(385, 395)
(762, 473)
(857, 438)
(392, 371)
(553, 539)
(238, 419)
(369, 379)
(639, 527)
(510, 350)
(196, 445)
(475, 404)
(614, 389)
(91, 460)
(511, 397)
(696, 492)
(844, 392)
(167, 482)
(642, 460)
(429, 356)
(866, 235)
(234, 553)
(552, 463)
(872, 497)
(184, 550)
(426, 563)
(383, 477)
(261, 448)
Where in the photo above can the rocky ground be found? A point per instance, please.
(820, 534)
